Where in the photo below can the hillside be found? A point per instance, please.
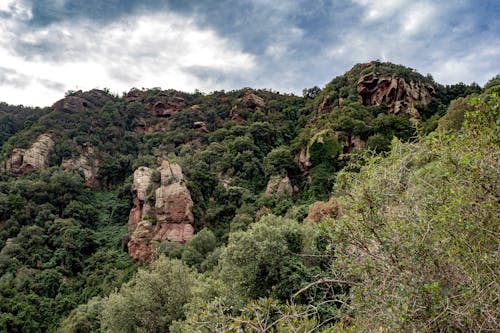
(362, 205)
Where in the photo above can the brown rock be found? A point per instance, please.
(134, 95)
(302, 160)
(168, 104)
(320, 210)
(82, 101)
(143, 240)
(399, 95)
(15, 161)
(173, 232)
(200, 127)
(234, 114)
(253, 101)
(172, 210)
(174, 204)
(325, 106)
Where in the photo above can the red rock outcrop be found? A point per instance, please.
(325, 106)
(82, 101)
(36, 157)
(400, 96)
(320, 210)
(168, 104)
(252, 101)
(87, 163)
(134, 95)
(249, 102)
(171, 217)
(200, 127)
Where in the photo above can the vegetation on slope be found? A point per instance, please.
(412, 245)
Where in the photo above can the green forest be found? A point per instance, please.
(368, 205)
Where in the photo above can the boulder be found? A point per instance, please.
(400, 96)
(252, 101)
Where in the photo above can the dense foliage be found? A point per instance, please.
(412, 244)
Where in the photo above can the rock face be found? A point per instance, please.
(134, 95)
(325, 106)
(82, 101)
(302, 160)
(279, 185)
(320, 210)
(250, 102)
(87, 163)
(200, 127)
(253, 101)
(401, 97)
(36, 157)
(168, 104)
(171, 217)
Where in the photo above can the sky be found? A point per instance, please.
(48, 47)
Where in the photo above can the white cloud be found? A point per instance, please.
(146, 50)
(376, 10)
(474, 66)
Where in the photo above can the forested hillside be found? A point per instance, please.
(368, 205)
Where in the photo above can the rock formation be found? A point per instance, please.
(325, 106)
(200, 127)
(250, 102)
(168, 104)
(171, 217)
(82, 101)
(36, 157)
(320, 210)
(134, 95)
(87, 163)
(279, 185)
(400, 96)
(302, 160)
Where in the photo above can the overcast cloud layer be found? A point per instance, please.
(50, 46)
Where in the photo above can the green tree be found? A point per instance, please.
(151, 301)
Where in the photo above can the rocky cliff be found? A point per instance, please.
(33, 158)
(169, 219)
(398, 94)
(80, 101)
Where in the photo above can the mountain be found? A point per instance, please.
(249, 199)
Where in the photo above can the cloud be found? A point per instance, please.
(57, 45)
(10, 77)
(144, 50)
